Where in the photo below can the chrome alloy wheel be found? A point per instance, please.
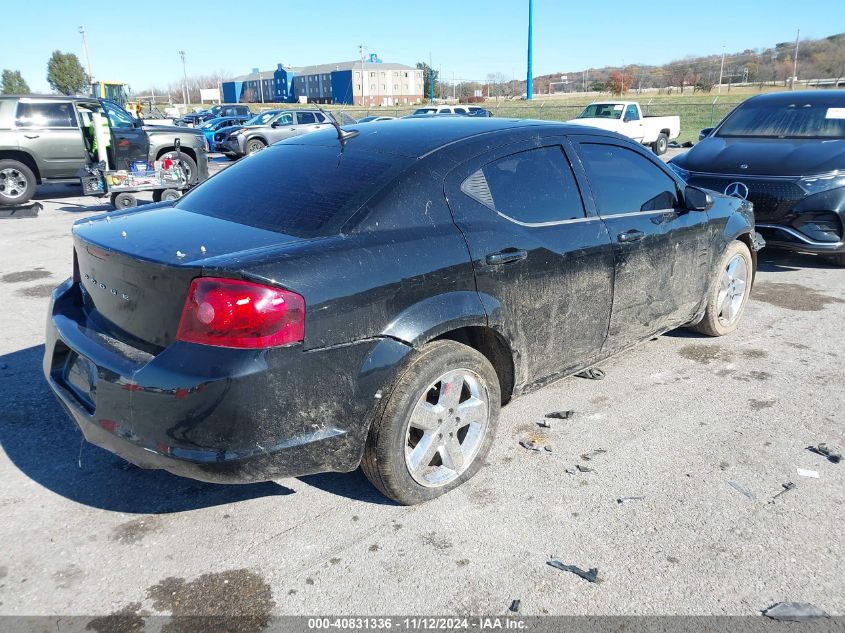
(13, 183)
(446, 428)
(732, 289)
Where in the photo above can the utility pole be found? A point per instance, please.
(721, 70)
(529, 88)
(185, 79)
(795, 63)
(87, 55)
(363, 78)
(430, 79)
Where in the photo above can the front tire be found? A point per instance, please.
(660, 146)
(123, 200)
(17, 182)
(254, 145)
(728, 292)
(437, 426)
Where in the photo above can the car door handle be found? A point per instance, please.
(31, 135)
(506, 256)
(630, 236)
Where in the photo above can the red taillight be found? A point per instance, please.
(76, 276)
(232, 313)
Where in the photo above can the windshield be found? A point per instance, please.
(602, 111)
(261, 119)
(304, 191)
(795, 119)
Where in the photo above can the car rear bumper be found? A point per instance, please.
(213, 414)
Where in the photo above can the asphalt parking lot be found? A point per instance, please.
(680, 418)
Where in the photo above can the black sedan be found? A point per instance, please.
(373, 295)
(785, 152)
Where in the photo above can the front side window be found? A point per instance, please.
(623, 181)
(533, 187)
(118, 118)
(631, 113)
(286, 118)
(45, 115)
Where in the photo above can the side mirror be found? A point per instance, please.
(627, 118)
(704, 133)
(138, 123)
(697, 199)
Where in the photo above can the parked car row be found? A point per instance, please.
(47, 139)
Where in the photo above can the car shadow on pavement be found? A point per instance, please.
(40, 439)
(352, 485)
(777, 261)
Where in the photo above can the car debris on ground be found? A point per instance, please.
(514, 608)
(561, 415)
(593, 453)
(794, 611)
(622, 500)
(544, 423)
(824, 451)
(786, 488)
(803, 472)
(742, 490)
(591, 575)
(584, 469)
(594, 373)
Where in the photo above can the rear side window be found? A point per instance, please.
(304, 191)
(45, 115)
(305, 117)
(532, 187)
(623, 181)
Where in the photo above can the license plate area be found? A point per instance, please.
(80, 377)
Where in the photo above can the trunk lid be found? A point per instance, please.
(136, 268)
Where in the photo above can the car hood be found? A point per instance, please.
(764, 156)
(171, 129)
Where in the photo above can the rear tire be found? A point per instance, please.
(445, 381)
(123, 200)
(726, 296)
(166, 195)
(660, 146)
(17, 182)
(188, 164)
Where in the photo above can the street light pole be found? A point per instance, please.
(87, 55)
(721, 70)
(185, 79)
(529, 90)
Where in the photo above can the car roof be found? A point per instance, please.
(803, 96)
(37, 97)
(414, 137)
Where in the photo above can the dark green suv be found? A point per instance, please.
(48, 139)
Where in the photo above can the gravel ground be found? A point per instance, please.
(680, 418)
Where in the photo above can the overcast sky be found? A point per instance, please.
(137, 42)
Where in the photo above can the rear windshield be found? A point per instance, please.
(304, 191)
(796, 119)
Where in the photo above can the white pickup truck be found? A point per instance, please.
(627, 118)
